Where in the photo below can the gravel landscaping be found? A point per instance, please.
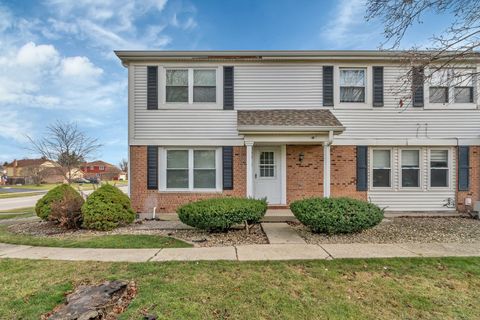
(404, 230)
(199, 238)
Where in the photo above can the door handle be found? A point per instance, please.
(255, 176)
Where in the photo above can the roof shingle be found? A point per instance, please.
(288, 118)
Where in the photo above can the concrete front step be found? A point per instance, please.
(281, 233)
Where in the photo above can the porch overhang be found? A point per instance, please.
(309, 123)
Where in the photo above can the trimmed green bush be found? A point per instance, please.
(336, 215)
(219, 214)
(107, 208)
(43, 208)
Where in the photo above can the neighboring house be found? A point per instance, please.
(30, 171)
(101, 169)
(292, 124)
(23, 167)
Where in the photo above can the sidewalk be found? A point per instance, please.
(264, 252)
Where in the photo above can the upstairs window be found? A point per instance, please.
(204, 86)
(177, 86)
(452, 86)
(352, 85)
(381, 171)
(191, 85)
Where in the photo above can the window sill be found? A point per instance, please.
(347, 105)
(190, 191)
(188, 106)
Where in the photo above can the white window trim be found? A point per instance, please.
(368, 85)
(370, 170)
(451, 104)
(420, 169)
(449, 176)
(162, 74)
(162, 174)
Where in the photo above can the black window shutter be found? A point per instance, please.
(152, 167)
(328, 86)
(152, 87)
(228, 103)
(378, 86)
(417, 86)
(463, 168)
(227, 168)
(362, 168)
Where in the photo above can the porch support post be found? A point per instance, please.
(249, 146)
(326, 165)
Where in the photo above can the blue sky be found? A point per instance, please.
(57, 61)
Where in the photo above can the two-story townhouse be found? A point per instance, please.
(292, 124)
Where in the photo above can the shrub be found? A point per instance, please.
(336, 215)
(219, 214)
(107, 208)
(43, 207)
(67, 211)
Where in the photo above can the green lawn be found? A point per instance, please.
(19, 213)
(19, 194)
(48, 186)
(341, 289)
(93, 241)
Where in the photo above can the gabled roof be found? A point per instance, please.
(28, 162)
(288, 120)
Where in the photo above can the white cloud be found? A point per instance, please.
(348, 28)
(31, 55)
(13, 126)
(110, 24)
(79, 67)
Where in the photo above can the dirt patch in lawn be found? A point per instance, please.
(199, 238)
(404, 230)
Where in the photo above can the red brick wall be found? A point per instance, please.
(474, 191)
(343, 173)
(305, 179)
(144, 200)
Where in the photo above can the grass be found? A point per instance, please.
(414, 288)
(19, 195)
(93, 241)
(18, 213)
(48, 186)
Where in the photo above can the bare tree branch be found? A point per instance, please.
(66, 145)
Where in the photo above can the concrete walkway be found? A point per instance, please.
(281, 233)
(264, 252)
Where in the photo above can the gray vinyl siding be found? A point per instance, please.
(278, 86)
(178, 126)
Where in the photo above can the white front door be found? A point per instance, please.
(267, 174)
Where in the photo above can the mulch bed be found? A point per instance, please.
(404, 230)
(199, 238)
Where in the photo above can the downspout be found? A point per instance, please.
(326, 165)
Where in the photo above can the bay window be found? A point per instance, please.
(190, 169)
(381, 169)
(439, 168)
(352, 85)
(410, 168)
